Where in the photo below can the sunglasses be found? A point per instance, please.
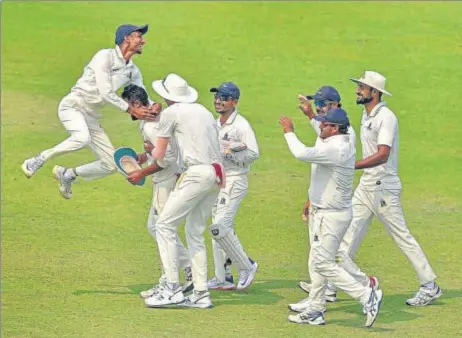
(223, 97)
(321, 104)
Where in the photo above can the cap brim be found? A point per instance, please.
(316, 97)
(214, 90)
(320, 118)
(124, 152)
(191, 96)
(142, 29)
(368, 84)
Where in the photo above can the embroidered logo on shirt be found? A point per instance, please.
(223, 200)
(225, 137)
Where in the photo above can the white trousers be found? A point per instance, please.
(327, 228)
(160, 193)
(224, 212)
(193, 199)
(386, 206)
(85, 130)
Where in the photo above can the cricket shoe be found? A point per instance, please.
(166, 297)
(372, 306)
(215, 284)
(188, 284)
(374, 284)
(425, 296)
(64, 181)
(31, 165)
(302, 306)
(246, 277)
(308, 317)
(198, 300)
(155, 289)
(331, 295)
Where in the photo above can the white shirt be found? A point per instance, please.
(351, 132)
(195, 130)
(149, 131)
(238, 129)
(332, 169)
(380, 127)
(106, 73)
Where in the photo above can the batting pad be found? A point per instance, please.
(231, 244)
(125, 159)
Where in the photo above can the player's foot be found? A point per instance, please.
(246, 277)
(229, 278)
(188, 284)
(331, 295)
(374, 284)
(372, 306)
(308, 317)
(199, 300)
(152, 291)
(170, 295)
(31, 165)
(301, 306)
(65, 177)
(215, 284)
(425, 296)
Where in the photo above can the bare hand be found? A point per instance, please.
(287, 124)
(135, 177)
(142, 158)
(141, 113)
(306, 211)
(305, 106)
(148, 147)
(156, 108)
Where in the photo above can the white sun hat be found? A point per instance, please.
(174, 88)
(374, 80)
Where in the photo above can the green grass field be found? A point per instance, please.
(74, 268)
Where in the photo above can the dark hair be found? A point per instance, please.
(133, 93)
(343, 129)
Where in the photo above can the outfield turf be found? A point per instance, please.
(74, 268)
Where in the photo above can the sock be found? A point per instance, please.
(173, 286)
(430, 285)
(69, 174)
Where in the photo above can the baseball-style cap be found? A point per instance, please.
(335, 115)
(325, 93)
(227, 89)
(124, 30)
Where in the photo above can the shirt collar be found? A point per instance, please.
(376, 109)
(121, 57)
(231, 117)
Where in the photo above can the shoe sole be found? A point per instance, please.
(314, 324)
(435, 297)
(378, 310)
(163, 305)
(222, 288)
(195, 306)
(25, 171)
(56, 176)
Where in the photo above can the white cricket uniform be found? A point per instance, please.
(379, 193)
(106, 73)
(331, 185)
(237, 165)
(163, 183)
(194, 129)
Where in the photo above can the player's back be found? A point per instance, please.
(197, 134)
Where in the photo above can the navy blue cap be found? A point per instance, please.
(325, 93)
(227, 89)
(335, 115)
(124, 30)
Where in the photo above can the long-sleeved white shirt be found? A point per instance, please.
(332, 169)
(237, 129)
(149, 131)
(106, 73)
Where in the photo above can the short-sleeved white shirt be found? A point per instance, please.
(380, 127)
(195, 130)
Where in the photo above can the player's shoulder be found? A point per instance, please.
(386, 113)
(242, 122)
(104, 52)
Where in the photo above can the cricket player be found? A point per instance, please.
(195, 131)
(163, 182)
(379, 190)
(239, 149)
(327, 98)
(108, 71)
(332, 174)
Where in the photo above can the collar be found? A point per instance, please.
(376, 109)
(121, 57)
(333, 138)
(231, 117)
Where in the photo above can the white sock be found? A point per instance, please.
(430, 285)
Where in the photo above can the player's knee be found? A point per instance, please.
(219, 231)
(81, 138)
(108, 164)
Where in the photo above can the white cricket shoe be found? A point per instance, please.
(165, 297)
(373, 306)
(199, 300)
(374, 285)
(246, 277)
(214, 284)
(31, 165)
(331, 295)
(155, 289)
(308, 317)
(425, 296)
(302, 306)
(64, 183)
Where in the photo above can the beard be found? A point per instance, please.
(363, 100)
